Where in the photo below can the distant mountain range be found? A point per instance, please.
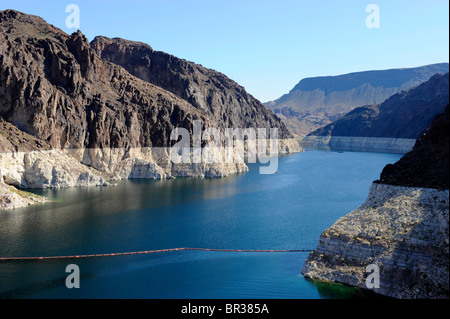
(316, 102)
(404, 115)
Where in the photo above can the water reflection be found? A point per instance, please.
(287, 210)
(339, 291)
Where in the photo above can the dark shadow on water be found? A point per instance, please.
(328, 290)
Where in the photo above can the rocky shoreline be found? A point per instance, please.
(358, 143)
(402, 230)
(11, 197)
(98, 167)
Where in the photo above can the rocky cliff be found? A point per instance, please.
(92, 113)
(402, 228)
(54, 87)
(207, 90)
(405, 115)
(316, 102)
(427, 165)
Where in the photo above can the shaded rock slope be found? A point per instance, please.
(427, 165)
(402, 228)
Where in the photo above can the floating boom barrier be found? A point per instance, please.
(155, 251)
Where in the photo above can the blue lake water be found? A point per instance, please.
(287, 210)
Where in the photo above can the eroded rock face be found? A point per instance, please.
(11, 197)
(207, 90)
(28, 162)
(47, 169)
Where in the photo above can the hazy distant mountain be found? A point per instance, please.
(404, 115)
(315, 102)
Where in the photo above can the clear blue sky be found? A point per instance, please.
(268, 46)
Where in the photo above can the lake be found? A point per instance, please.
(287, 210)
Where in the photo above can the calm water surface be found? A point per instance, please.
(287, 210)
